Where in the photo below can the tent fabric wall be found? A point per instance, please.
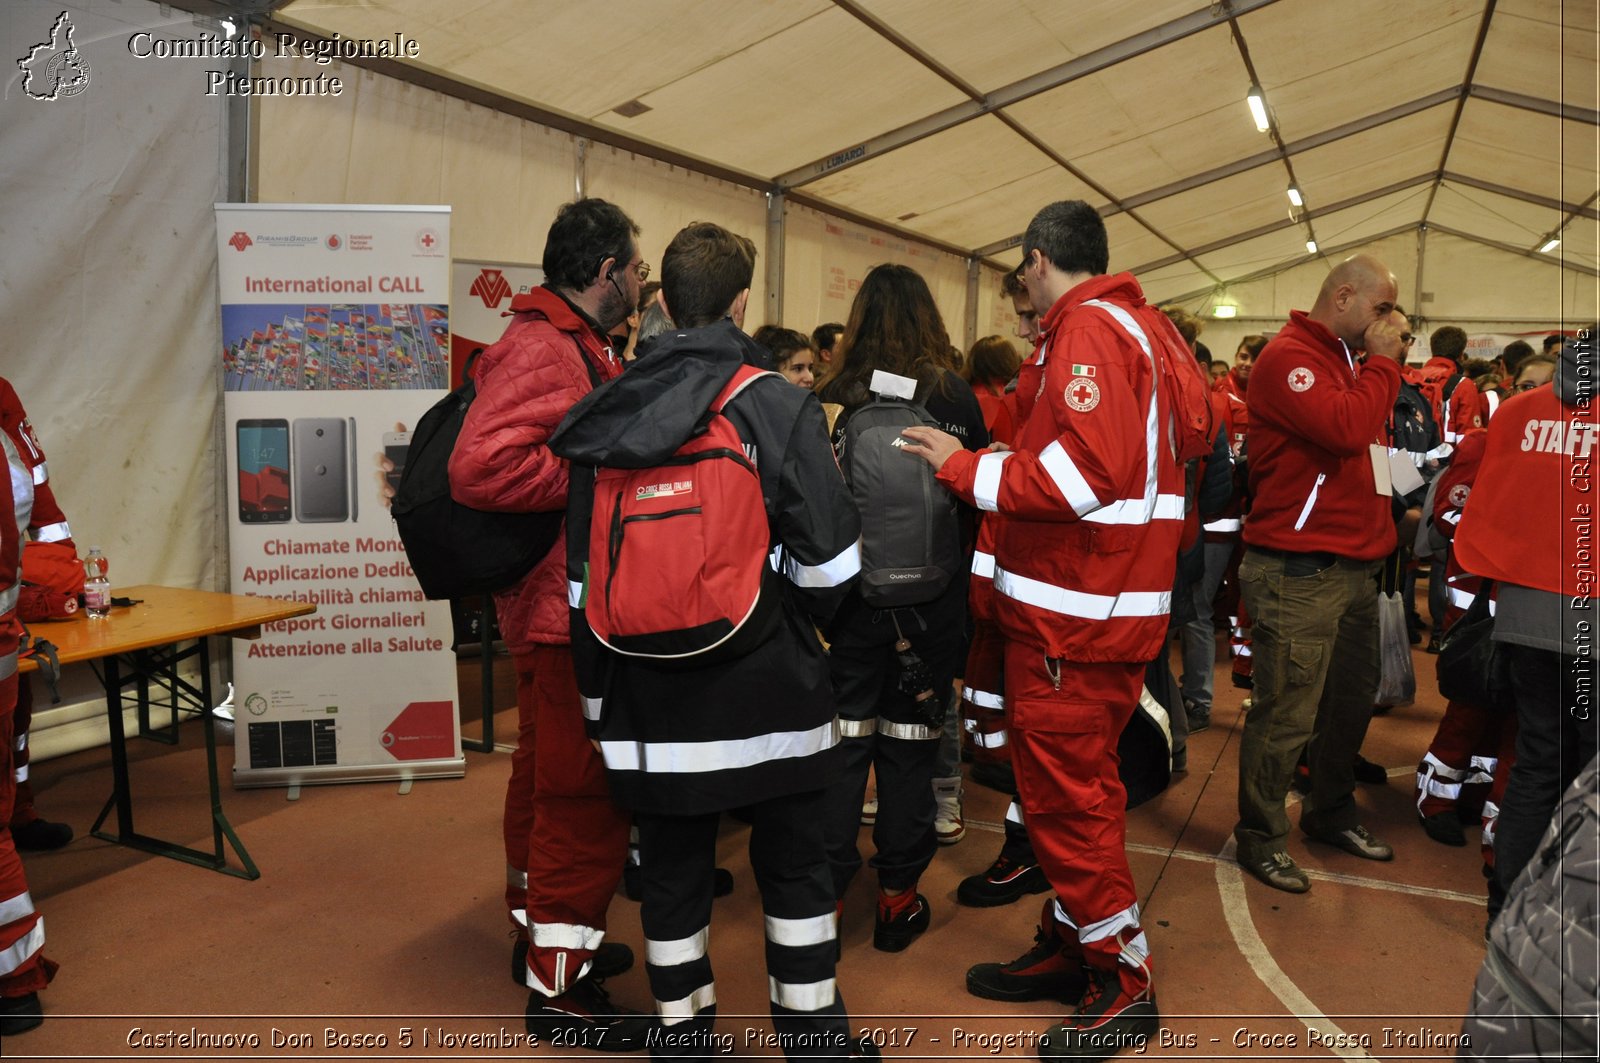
(108, 296)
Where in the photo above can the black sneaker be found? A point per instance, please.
(1048, 971)
(20, 1014)
(584, 1017)
(1105, 1021)
(1005, 881)
(893, 935)
(40, 835)
(1368, 772)
(610, 959)
(1445, 828)
(1198, 716)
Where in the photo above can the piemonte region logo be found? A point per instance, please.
(55, 69)
(492, 287)
(240, 240)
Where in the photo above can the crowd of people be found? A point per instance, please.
(1086, 533)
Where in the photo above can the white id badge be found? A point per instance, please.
(1403, 473)
(1382, 484)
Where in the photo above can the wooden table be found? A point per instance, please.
(148, 641)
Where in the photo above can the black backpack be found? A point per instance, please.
(455, 550)
(910, 535)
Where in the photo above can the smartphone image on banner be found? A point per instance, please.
(321, 470)
(395, 447)
(263, 465)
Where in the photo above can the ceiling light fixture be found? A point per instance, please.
(1258, 109)
(1550, 244)
(1311, 246)
(1295, 197)
(229, 28)
(1224, 310)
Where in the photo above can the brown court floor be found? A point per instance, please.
(379, 916)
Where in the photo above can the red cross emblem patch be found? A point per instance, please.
(1458, 495)
(1082, 394)
(1301, 379)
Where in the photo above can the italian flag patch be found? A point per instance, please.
(1082, 370)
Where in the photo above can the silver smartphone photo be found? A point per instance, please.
(321, 470)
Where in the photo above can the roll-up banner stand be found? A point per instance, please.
(336, 338)
(485, 291)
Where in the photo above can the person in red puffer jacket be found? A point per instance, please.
(566, 840)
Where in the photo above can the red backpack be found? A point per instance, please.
(678, 552)
(1437, 385)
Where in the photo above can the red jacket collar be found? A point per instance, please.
(1119, 288)
(551, 306)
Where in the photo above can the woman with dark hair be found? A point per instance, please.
(991, 365)
(792, 354)
(895, 329)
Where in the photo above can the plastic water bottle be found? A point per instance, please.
(96, 587)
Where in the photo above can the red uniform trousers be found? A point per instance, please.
(566, 839)
(1463, 759)
(23, 968)
(982, 701)
(22, 812)
(1064, 745)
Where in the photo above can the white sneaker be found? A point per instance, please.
(947, 822)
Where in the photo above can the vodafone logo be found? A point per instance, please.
(333, 243)
(492, 287)
(1301, 379)
(240, 240)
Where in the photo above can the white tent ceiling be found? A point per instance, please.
(953, 121)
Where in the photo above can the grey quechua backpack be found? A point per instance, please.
(910, 536)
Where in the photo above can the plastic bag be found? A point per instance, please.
(1397, 680)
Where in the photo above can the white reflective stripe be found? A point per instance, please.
(1079, 603)
(1226, 524)
(519, 879)
(1440, 452)
(1459, 598)
(14, 908)
(676, 1011)
(1242, 650)
(1152, 419)
(1014, 814)
(592, 708)
(8, 598)
(1111, 925)
(993, 740)
(22, 773)
(567, 936)
(798, 933)
(982, 698)
(8, 665)
(521, 917)
(1311, 500)
(1447, 790)
(22, 742)
(1068, 480)
(829, 573)
(969, 725)
(52, 533)
(674, 758)
(1451, 437)
(1135, 951)
(858, 728)
(983, 564)
(909, 732)
(574, 594)
(681, 950)
(803, 996)
(1487, 764)
(1133, 511)
(23, 949)
(1451, 516)
(1493, 399)
(41, 473)
(1439, 767)
(986, 480)
(1061, 916)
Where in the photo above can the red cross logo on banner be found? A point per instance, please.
(1301, 379)
(1082, 394)
(426, 239)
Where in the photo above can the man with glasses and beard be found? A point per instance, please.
(566, 841)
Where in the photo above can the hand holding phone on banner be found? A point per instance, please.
(392, 462)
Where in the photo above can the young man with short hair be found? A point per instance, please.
(685, 742)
